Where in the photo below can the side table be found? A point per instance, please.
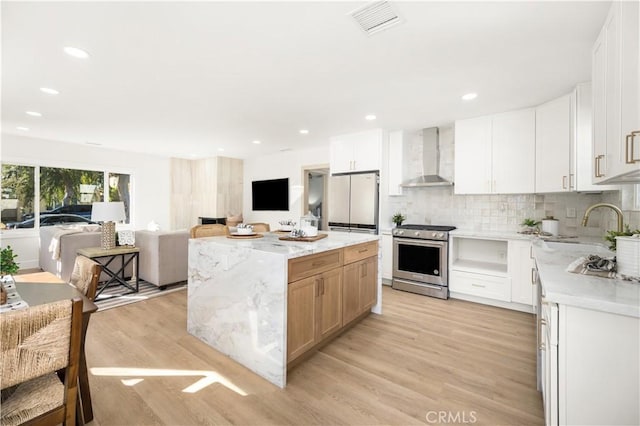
(106, 257)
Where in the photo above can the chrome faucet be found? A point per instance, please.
(616, 209)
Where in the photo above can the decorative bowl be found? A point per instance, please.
(245, 230)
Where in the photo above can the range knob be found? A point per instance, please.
(434, 235)
(400, 232)
(441, 235)
(417, 233)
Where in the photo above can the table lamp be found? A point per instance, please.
(108, 213)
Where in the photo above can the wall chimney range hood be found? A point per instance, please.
(430, 162)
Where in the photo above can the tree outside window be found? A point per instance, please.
(65, 187)
(18, 193)
(119, 190)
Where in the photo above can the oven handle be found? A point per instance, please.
(419, 242)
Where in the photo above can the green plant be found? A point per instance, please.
(610, 237)
(530, 222)
(398, 218)
(7, 263)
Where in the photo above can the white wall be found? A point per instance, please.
(282, 165)
(150, 182)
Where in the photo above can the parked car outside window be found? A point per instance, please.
(83, 210)
(50, 220)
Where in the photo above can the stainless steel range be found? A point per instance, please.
(420, 259)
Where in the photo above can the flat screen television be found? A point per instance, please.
(270, 194)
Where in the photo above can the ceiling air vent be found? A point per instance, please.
(375, 17)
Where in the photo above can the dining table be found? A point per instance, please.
(44, 287)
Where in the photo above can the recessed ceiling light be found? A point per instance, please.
(304, 132)
(33, 113)
(469, 96)
(370, 117)
(24, 129)
(221, 149)
(257, 142)
(75, 52)
(49, 91)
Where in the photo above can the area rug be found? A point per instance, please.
(115, 296)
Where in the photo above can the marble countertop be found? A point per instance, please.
(492, 235)
(602, 294)
(505, 235)
(290, 249)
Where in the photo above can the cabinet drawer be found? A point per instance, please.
(360, 251)
(307, 266)
(488, 286)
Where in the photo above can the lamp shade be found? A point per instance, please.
(108, 212)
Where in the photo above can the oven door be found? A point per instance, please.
(423, 261)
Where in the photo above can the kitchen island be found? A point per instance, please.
(238, 293)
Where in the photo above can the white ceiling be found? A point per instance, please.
(187, 79)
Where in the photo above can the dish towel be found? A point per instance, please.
(594, 265)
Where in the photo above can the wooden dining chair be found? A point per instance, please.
(37, 343)
(210, 230)
(85, 276)
(260, 227)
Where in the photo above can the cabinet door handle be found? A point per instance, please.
(564, 182)
(542, 347)
(543, 321)
(629, 148)
(533, 276)
(572, 183)
(597, 166)
(322, 285)
(477, 285)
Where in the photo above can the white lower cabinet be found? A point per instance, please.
(590, 366)
(549, 361)
(386, 240)
(520, 265)
(487, 286)
(493, 271)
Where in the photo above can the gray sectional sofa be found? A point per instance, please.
(163, 254)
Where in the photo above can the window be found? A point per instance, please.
(65, 195)
(69, 191)
(17, 184)
(119, 189)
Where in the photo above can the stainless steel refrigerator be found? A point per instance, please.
(353, 203)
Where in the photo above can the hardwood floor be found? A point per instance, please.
(424, 361)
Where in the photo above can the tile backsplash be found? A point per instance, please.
(440, 206)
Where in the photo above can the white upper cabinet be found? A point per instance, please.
(473, 156)
(514, 151)
(616, 96)
(495, 154)
(581, 115)
(356, 152)
(629, 159)
(553, 146)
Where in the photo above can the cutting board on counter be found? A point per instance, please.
(309, 239)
